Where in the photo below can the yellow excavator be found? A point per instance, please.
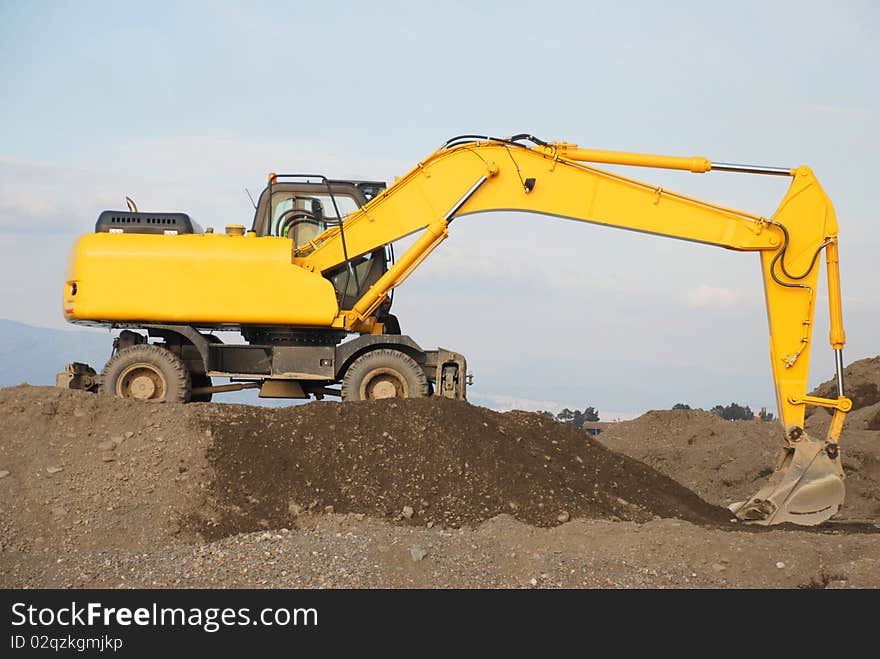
(309, 286)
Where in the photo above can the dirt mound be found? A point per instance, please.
(727, 461)
(99, 492)
(89, 472)
(424, 461)
(861, 380)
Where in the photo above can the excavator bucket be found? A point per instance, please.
(806, 487)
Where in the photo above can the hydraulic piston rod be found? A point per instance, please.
(696, 164)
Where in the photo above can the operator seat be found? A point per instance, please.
(307, 224)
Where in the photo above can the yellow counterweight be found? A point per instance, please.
(198, 279)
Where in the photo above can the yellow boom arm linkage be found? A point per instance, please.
(554, 179)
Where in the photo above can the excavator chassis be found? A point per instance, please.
(279, 371)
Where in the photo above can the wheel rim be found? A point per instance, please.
(141, 382)
(383, 383)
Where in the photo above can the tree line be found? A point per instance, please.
(732, 412)
(575, 418)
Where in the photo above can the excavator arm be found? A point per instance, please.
(472, 175)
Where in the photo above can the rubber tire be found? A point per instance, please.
(402, 364)
(172, 368)
(200, 380)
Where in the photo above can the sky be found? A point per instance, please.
(183, 105)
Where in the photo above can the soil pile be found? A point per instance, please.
(727, 461)
(85, 472)
(861, 381)
(424, 461)
(90, 472)
(100, 492)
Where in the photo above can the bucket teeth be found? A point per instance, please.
(806, 488)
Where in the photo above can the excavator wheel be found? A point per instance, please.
(384, 373)
(147, 373)
(200, 380)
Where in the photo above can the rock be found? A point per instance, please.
(533, 581)
(107, 457)
(54, 470)
(417, 553)
(107, 445)
(408, 512)
(430, 525)
(780, 564)
(293, 508)
(4, 474)
(117, 439)
(563, 517)
(718, 567)
(128, 434)
(329, 510)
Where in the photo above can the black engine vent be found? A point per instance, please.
(128, 222)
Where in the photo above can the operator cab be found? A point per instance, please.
(303, 208)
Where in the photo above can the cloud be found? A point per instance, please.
(197, 157)
(36, 197)
(203, 176)
(839, 111)
(710, 297)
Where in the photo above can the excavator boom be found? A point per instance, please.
(472, 175)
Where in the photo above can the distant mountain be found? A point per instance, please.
(35, 354)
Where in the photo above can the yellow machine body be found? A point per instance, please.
(202, 279)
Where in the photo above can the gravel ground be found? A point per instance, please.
(348, 551)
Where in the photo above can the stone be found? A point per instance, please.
(563, 517)
(4, 474)
(54, 470)
(417, 553)
(408, 512)
(107, 445)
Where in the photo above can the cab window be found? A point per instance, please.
(302, 217)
